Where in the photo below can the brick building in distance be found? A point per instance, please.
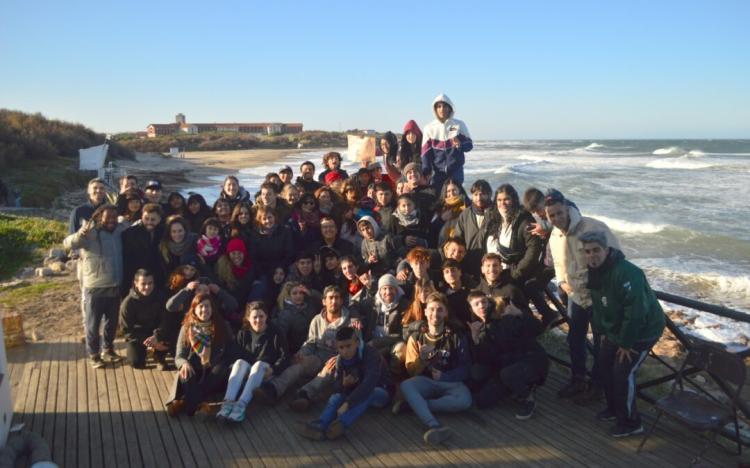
(181, 126)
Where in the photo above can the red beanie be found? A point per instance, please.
(332, 177)
(236, 245)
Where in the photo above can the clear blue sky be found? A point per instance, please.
(534, 69)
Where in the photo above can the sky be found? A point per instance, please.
(514, 70)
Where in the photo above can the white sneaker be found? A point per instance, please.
(226, 410)
(238, 412)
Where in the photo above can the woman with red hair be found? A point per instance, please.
(204, 353)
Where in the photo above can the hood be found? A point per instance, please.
(373, 223)
(443, 98)
(411, 126)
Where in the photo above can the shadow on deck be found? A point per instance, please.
(114, 417)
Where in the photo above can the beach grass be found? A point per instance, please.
(11, 296)
(41, 182)
(23, 239)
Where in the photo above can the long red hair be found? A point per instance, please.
(216, 319)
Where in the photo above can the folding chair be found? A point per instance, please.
(700, 413)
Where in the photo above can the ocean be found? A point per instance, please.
(680, 208)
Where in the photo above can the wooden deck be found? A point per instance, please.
(114, 417)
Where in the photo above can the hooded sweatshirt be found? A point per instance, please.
(141, 316)
(439, 158)
(381, 247)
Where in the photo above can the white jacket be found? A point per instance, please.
(568, 257)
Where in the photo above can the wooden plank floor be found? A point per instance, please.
(114, 417)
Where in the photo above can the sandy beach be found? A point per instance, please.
(198, 166)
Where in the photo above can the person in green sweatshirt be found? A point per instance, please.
(630, 321)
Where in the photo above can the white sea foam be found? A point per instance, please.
(672, 150)
(519, 168)
(595, 146)
(696, 153)
(630, 227)
(682, 162)
(531, 157)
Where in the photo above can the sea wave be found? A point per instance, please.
(630, 227)
(519, 168)
(696, 154)
(683, 162)
(531, 157)
(595, 146)
(672, 150)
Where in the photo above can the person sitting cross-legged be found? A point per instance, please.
(361, 380)
(438, 360)
(262, 353)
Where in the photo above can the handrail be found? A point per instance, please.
(685, 339)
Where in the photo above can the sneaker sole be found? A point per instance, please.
(628, 434)
(524, 417)
(437, 437)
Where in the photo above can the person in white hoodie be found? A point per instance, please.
(444, 143)
(571, 270)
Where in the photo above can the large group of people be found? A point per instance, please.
(389, 286)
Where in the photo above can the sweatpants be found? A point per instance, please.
(308, 367)
(250, 376)
(426, 395)
(618, 379)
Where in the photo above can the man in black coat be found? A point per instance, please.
(141, 316)
(140, 246)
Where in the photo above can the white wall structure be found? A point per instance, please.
(92, 159)
(6, 405)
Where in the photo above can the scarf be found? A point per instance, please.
(200, 335)
(409, 219)
(354, 286)
(178, 249)
(239, 271)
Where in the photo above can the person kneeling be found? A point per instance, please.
(361, 381)
(439, 362)
(508, 359)
(204, 348)
(262, 354)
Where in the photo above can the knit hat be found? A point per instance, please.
(286, 169)
(374, 166)
(387, 280)
(412, 166)
(598, 237)
(332, 177)
(236, 245)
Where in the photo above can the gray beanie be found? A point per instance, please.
(411, 166)
(387, 280)
(594, 236)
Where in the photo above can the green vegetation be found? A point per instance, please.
(40, 182)
(11, 296)
(24, 239)
(218, 141)
(32, 137)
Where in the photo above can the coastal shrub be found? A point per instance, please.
(33, 137)
(24, 239)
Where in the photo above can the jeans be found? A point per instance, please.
(426, 395)
(101, 306)
(240, 371)
(578, 327)
(378, 398)
(619, 380)
(308, 367)
(515, 379)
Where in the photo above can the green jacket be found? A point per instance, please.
(626, 310)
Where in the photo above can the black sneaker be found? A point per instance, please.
(109, 355)
(606, 415)
(266, 393)
(526, 408)
(301, 402)
(575, 387)
(437, 435)
(618, 430)
(96, 361)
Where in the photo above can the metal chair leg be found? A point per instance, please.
(650, 431)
